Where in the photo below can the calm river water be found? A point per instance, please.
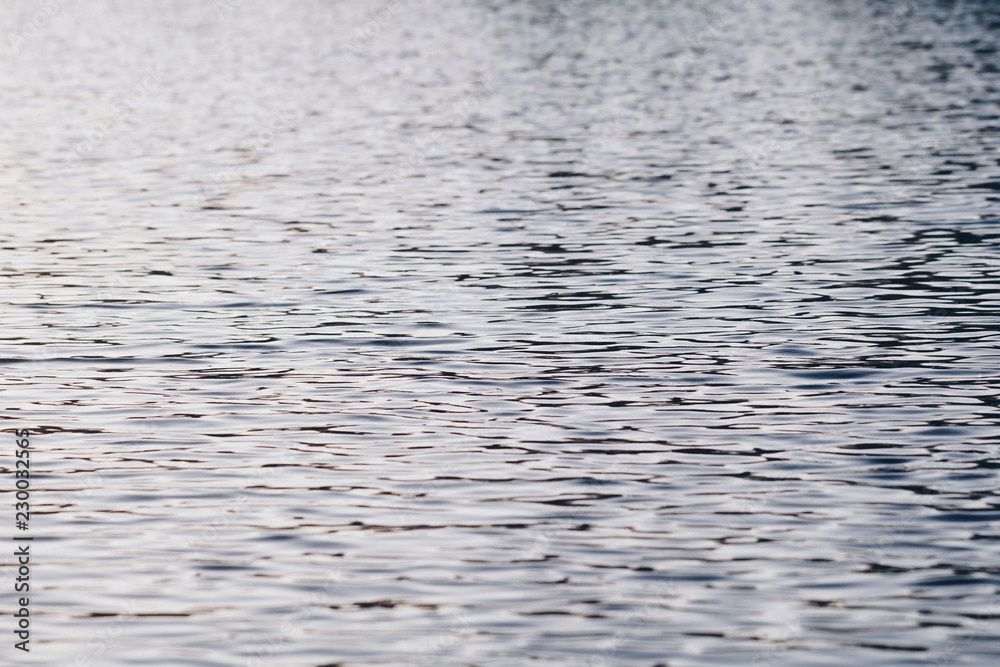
(475, 332)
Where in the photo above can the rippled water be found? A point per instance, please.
(503, 333)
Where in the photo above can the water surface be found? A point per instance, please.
(506, 333)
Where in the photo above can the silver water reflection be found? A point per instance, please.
(503, 333)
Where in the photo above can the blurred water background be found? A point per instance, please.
(474, 332)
